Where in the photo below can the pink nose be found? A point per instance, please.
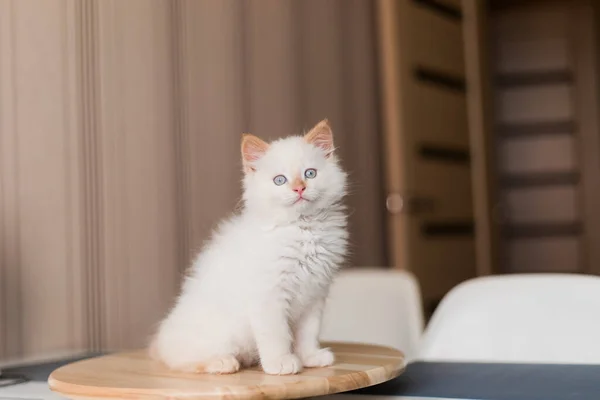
(299, 189)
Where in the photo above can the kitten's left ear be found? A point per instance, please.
(253, 148)
(322, 137)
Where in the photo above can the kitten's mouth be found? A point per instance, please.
(299, 199)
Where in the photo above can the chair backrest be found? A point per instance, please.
(375, 306)
(538, 318)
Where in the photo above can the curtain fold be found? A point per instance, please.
(119, 147)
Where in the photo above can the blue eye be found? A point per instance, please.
(279, 180)
(310, 173)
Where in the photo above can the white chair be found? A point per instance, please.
(537, 318)
(375, 306)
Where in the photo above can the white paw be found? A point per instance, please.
(318, 358)
(285, 365)
(221, 365)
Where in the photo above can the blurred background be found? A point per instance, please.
(469, 129)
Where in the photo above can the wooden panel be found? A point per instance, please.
(535, 104)
(450, 9)
(557, 127)
(531, 38)
(538, 135)
(427, 145)
(532, 55)
(534, 78)
(553, 204)
(540, 179)
(395, 75)
(452, 3)
(138, 151)
(539, 154)
(444, 261)
(448, 186)
(436, 41)
(436, 45)
(476, 33)
(43, 303)
(443, 115)
(586, 35)
(542, 230)
(532, 22)
(544, 255)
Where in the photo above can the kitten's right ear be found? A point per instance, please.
(321, 136)
(253, 148)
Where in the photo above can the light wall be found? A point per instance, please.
(119, 138)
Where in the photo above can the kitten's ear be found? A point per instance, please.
(321, 136)
(253, 148)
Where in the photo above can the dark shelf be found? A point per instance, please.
(540, 179)
(559, 127)
(445, 154)
(443, 9)
(445, 229)
(542, 230)
(441, 79)
(497, 5)
(534, 78)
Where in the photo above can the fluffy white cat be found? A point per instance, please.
(256, 292)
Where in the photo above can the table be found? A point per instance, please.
(421, 380)
(488, 381)
(133, 374)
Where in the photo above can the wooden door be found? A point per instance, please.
(428, 147)
(546, 130)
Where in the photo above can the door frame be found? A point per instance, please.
(480, 117)
(585, 38)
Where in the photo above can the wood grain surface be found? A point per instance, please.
(134, 375)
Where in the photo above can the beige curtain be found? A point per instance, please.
(119, 146)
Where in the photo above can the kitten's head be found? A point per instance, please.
(296, 175)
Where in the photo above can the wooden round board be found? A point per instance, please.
(134, 375)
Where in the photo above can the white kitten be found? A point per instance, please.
(257, 291)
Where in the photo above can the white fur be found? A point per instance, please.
(256, 292)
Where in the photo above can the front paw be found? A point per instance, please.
(318, 358)
(285, 365)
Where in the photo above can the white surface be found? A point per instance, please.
(375, 306)
(39, 390)
(29, 390)
(34, 390)
(541, 318)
